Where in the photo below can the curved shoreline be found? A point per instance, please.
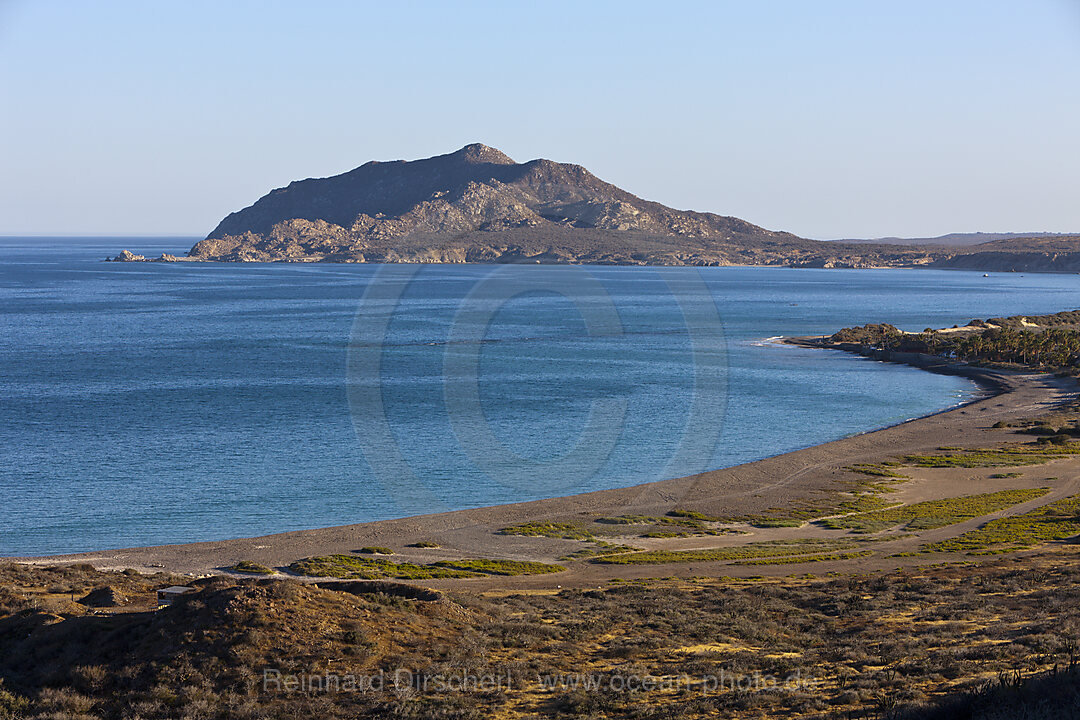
(739, 490)
(986, 378)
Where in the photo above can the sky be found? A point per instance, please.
(828, 119)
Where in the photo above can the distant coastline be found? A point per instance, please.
(477, 205)
(1031, 263)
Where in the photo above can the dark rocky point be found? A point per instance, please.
(126, 256)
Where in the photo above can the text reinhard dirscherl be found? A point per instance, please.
(273, 680)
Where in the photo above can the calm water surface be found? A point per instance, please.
(160, 403)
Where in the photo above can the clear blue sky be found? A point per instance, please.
(827, 118)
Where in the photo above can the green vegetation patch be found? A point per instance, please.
(851, 495)
(565, 531)
(680, 518)
(1054, 345)
(349, 567)
(774, 548)
(876, 470)
(1057, 521)
(1010, 456)
(426, 544)
(632, 520)
(253, 568)
(500, 567)
(864, 503)
(932, 513)
(599, 549)
(677, 523)
(692, 515)
(776, 523)
(823, 557)
(375, 550)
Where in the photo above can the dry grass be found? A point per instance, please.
(862, 646)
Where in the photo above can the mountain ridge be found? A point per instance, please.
(953, 239)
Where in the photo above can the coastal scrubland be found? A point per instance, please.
(946, 640)
(1050, 342)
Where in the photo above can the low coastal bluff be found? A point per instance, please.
(1049, 343)
(477, 205)
(1038, 254)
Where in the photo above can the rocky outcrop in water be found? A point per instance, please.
(127, 256)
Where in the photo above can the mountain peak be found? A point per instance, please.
(472, 205)
(480, 153)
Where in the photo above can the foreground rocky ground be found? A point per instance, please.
(990, 639)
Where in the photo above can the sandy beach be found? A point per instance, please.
(747, 489)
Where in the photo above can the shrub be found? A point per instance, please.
(752, 550)
(692, 515)
(501, 567)
(253, 568)
(11, 705)
(549, 529)
(375, 550)
(349, 567)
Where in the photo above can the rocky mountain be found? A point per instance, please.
(477, 205)
(473, 205)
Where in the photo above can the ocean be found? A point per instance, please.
(152, 403)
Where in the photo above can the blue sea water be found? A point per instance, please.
(161, 403)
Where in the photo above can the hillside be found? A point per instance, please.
(989, 641)
(953, 239)
(1056, 253)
